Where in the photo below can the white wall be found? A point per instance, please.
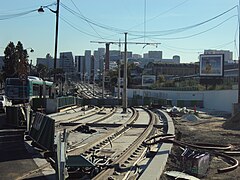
(221, 100)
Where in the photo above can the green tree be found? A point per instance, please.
(42, 70)
(161, 79)
(10, 61)
(22, 58)
(15, 60)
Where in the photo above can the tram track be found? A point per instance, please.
(74, 122)
(104, 150)
(106, 138)
(130, 155)
(77, 117)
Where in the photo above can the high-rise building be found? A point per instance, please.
(114, 55)
(80, 66)
(99, 56)
(66, 62)
(174, 60)
(48, 61)
(228, 55)
(136, 56)
(157, 55)
(1, 62)
(129, 54)
(87, 64)
(145, 55)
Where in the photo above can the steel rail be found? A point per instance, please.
(155, 169)
(103, 140)
(77, 118)
(117, 163)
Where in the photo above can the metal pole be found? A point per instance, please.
(56, 41)
(119, 66)
(119, 79)
(238, 52)
(23, 93)
(93, 83)
(103, 81)
(125, 77)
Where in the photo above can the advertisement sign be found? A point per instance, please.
(211, 65)
(148, 80)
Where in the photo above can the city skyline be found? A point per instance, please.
(180, 26)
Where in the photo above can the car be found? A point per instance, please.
(4, 102)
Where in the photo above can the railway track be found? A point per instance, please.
(123, 162)
(83, 117)
(105, 139)
(116, 147)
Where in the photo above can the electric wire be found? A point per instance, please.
(16, 15)
(76, 28)
(196, 34)
(136, 34)
(80, 29)
(177, 30)
(87, 22)
(189, 50)
(189, 36)
(10, 16)
(148, 20)
(148, 33)
(91, 21)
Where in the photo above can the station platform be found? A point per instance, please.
(18, 159)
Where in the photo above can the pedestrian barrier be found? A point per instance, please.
(42, 131)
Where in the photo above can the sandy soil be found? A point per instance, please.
(207, 129)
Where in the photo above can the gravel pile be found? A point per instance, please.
(190, 117)
(233, 122)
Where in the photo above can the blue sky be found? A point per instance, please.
(107, 20)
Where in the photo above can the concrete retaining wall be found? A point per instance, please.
(221, 100)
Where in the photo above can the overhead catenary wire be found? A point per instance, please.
(81, 30)
(76, 28)
(188, 36)
(179, 29)
(106, 27)
(197, 49)
(138, 33)
(87, 22)
(162, 13)
(16, 15)
(118, 31)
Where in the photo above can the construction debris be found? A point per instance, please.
(180, 175)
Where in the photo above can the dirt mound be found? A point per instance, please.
(190, 117)
(233, 123)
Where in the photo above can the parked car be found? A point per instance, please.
(4, 102)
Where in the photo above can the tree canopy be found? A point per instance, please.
(15, 60)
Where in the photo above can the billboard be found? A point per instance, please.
(148, 80)
(211, 65)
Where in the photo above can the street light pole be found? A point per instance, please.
(40, 10)
(119, 72)
(103, 80)
(124, 99)
(56, 41)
